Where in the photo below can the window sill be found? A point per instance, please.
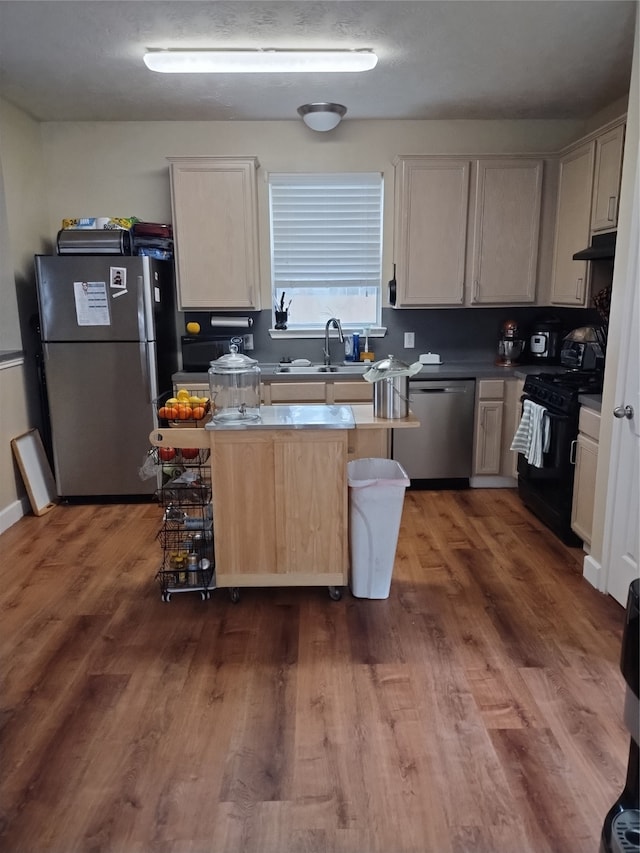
(288, 334)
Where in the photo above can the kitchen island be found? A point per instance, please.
(279, 492)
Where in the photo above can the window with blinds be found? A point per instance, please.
(326, 247)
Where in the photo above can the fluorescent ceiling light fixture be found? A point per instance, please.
(207, 61)
(322, 116)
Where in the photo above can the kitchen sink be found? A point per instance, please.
(308, 369)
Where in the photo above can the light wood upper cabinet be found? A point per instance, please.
(506, 229)
(431, 204)
(606, 182)
(569, 279)
(215, 223)
(434, 224)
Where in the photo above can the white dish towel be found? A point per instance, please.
(533, 434)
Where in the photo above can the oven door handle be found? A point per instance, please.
(553, 415)
(573, 451)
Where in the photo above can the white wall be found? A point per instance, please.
(25, 202)
(120, 169)
(622, 281)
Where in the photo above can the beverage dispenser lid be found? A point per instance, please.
(233, 362)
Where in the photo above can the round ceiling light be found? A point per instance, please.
(322, 116)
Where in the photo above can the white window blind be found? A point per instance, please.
(326, 246)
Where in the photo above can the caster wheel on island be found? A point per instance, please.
(335, 592)
(234, 594)
(166, 596)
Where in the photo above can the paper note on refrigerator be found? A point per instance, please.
(92, 305)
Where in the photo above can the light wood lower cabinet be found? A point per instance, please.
(350, 392)
(513, 389)
(280, 502)
(295, 392)
(369, 443)
(497, 417)
(488, 427)
(584, 483)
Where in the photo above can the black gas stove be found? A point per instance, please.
(560, 392)
(547, 490)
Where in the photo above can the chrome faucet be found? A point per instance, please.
(333, 321)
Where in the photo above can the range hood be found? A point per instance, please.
(602, 246)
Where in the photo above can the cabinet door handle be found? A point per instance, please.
(611, 210)
(573, 451)
(476, 288)
(579, 289)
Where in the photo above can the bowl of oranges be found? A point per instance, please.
(183, 408)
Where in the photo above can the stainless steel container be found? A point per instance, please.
(391, 397)
(390, 378)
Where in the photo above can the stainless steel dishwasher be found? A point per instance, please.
(441, 447)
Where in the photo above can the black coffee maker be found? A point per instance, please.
(545, 340)
(621, 829)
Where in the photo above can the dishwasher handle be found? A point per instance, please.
(438, 388)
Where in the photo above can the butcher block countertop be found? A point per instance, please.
(365, 419)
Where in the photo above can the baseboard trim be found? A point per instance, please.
(485, 482)
(592, 572)
(13, 513)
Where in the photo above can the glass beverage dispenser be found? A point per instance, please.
(234, 382)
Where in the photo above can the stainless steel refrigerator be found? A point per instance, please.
(109, 347)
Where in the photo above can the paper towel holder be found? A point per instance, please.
(218, 321)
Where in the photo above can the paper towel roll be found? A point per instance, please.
(231, 322)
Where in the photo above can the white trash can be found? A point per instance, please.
(376, 496)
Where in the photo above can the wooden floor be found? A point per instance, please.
(477, 709)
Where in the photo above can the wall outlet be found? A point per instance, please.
(409, 340)
(248, 342)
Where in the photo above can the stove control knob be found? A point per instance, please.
(623, 412)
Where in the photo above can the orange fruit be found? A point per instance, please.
(198, 412)
(184, 413)
(172, 413)
(163, 412)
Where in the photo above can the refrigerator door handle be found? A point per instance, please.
(146, 372)
(150, 374)
(145, 313)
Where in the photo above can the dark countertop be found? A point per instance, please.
(591, 401)
(446, 370)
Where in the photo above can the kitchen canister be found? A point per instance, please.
(390, 378)
(391, 397)
(234, 382)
